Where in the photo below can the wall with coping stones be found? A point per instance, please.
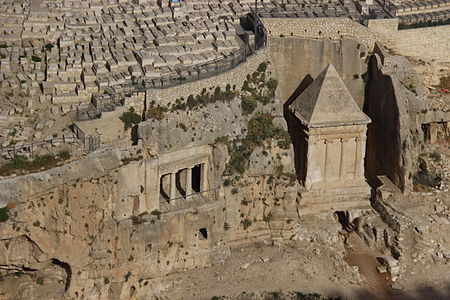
(426, 43)
(235, 76)
(383, 26)
(333, 28)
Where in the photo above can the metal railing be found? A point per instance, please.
(189, 201)
(89, 143)
(177, 76)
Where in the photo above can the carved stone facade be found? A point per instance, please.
(333, 142)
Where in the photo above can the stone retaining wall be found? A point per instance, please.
(426, 43)
(383, 26)
(333, 28)
(235, 76)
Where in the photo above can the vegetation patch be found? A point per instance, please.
(22, 165)
(156, 112)
(130, 118)
(136, 220)
(256, 89)
(260, 129)
(246, 223)
(49, 46)
(205, 98)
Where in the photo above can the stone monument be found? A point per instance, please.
(331, 148)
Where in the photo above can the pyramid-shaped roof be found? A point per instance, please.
(327, 102)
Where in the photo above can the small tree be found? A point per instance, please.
(130, 118)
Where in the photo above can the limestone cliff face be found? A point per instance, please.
(394, 100)
(96, 228)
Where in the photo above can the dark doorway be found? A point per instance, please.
(134, 135)
(203, 233)
(196, 178)
(342, 218)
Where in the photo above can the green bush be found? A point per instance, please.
(262, 67)
(4, 214)
(49, 46)
(226, 226)
(130, 118)
(248, 105)
(246, 223)
(156, 112)
(64, 154)
(191, 102)
(272, 83)
(36, 58)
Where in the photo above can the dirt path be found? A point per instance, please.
(358, 254)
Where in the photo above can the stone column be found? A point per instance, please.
(204, 179)
(432, 132)
(341, 167)
(348, 159)
(310, 162)
(333, 159)
(359, 157)
(188, 182)
(173, 185)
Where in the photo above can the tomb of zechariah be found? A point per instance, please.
(331, 141)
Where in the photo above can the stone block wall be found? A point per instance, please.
(135, 101)
(320, 28)
(383, 26)
(235, 76)
(426, 43)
